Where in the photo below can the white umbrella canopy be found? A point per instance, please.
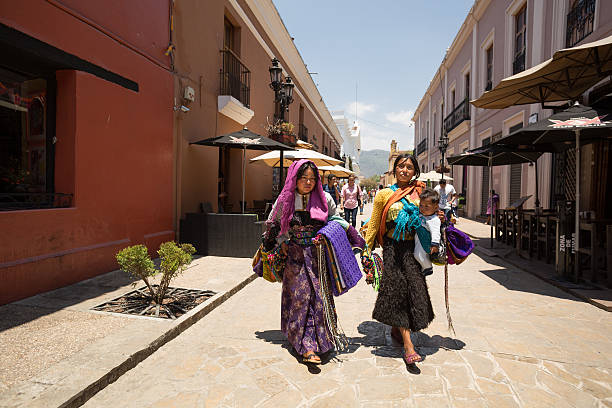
(272, 159)
(432, 176)
(337, 171)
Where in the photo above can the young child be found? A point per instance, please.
(427, 238)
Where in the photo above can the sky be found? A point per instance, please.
(390, 48)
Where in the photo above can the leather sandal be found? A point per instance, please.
(412, 358)
(311, 357)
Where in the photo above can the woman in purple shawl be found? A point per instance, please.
(301, 209)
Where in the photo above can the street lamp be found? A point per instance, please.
(283, 95)
(443, 145)
(283, 92)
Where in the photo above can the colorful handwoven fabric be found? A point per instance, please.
(346, 262)
(332, 266)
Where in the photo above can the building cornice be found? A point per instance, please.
(269, 19)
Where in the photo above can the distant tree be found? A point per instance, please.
(350, 163)
(370, 182)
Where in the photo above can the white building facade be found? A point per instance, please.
(497, 39)
(351, 147)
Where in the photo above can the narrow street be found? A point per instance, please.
(519, 342)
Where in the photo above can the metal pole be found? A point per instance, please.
(577, 227)
(491, 195)
(280, 172)
(537, 198)
(243, 204)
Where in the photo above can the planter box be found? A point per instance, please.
(234, 235)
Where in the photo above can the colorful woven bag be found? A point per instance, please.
(264, 267)
(373, 268)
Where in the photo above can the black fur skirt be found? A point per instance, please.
(403, 298)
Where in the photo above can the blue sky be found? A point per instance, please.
(390, 48)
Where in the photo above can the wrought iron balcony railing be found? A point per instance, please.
(458, 115)
(421, 147)
(303, 133)
(518, 65)
(235, 78)
(580, 21)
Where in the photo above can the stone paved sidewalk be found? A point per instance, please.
(52, 347)
(519, 342)
(599, 296)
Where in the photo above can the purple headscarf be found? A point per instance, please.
(317, 204)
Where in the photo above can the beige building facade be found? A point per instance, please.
(388, 177)
(497, 39)
(223, 50)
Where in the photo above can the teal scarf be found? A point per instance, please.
(409, 219)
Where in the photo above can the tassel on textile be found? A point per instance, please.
(338, 337)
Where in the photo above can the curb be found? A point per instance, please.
(132, 361)
(549, 281)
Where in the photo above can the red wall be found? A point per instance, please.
(114, 149)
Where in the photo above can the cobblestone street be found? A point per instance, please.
(519, 342)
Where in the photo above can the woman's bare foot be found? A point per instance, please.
(311, 357)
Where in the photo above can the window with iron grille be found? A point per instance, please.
(466, 82)
(580, 21)
(520, 40)
(489, 56)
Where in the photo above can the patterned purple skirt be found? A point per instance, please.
(302, 312)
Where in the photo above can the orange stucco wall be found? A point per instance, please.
(114, 148)
(199, 32)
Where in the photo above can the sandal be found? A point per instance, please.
(311, 357)
(412, 358)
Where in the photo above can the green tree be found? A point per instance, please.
(370, 182)
(350, 163)
(135, 260)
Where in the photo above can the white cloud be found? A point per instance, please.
(402, 117)
(376, 137)
(361, 108)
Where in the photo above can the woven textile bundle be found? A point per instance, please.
(342, 253)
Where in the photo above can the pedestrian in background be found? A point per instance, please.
(448, 195)
(332, 188)
(492, 205)
(350, 200)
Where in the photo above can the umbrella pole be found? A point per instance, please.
(577, 228)
(491, 197)
(280, 172)
(243, 204)
(537, 198)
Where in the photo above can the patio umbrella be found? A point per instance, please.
(337, 170)
(433, 176)
(576, 125)
(496, 155)
(565, 76)
(273, 159)
(244, 139)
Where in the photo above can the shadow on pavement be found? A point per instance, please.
(34, 307)
(277, 337)
(377, 335)
(552, 284)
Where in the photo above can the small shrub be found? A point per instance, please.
(135, 260)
